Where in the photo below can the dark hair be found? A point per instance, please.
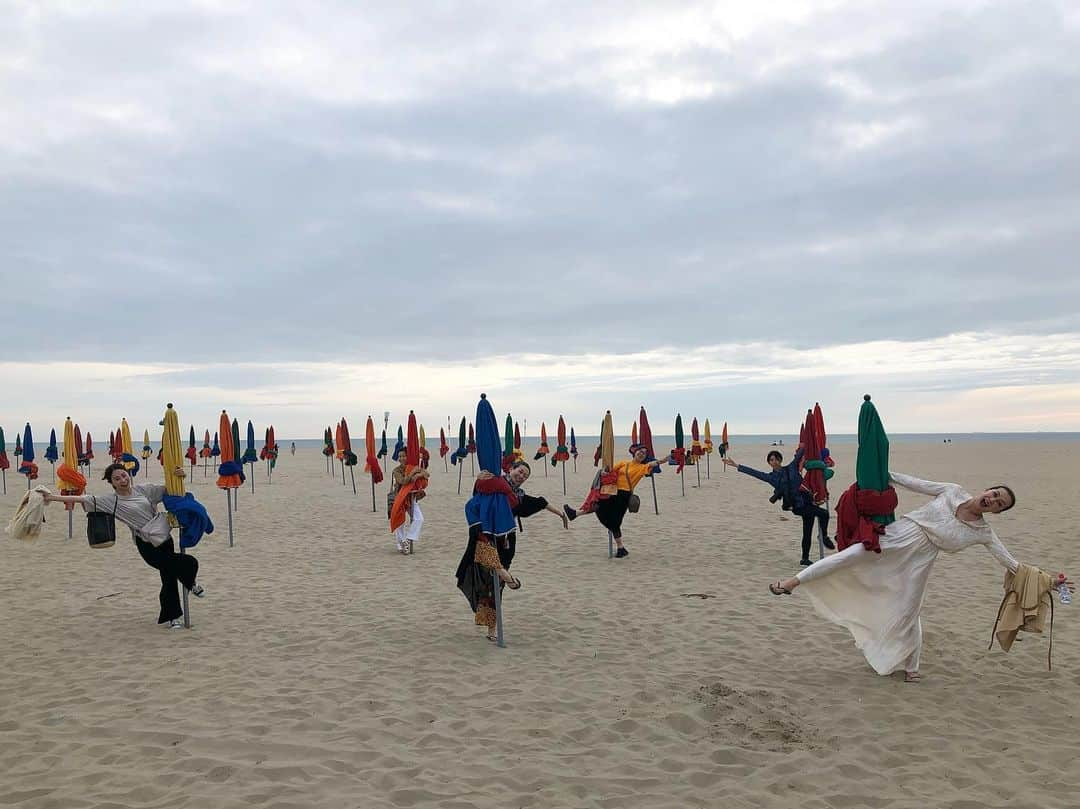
(516, 464)
(110, 469)
(1012, 494)
(778, 455)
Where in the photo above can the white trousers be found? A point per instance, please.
(411, 530)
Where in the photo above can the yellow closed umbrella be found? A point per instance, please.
(71, 480)
(708, 450)
(607, 443)
(172, 457)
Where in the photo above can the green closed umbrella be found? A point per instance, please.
(872, 461)
(508, 442)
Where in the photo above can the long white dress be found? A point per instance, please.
(878, 597)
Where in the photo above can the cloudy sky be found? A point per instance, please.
(303, 211)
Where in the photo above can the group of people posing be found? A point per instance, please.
(874, 588)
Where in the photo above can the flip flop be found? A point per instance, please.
(514, 584)
(778, 590)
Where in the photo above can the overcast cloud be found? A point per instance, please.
(755, 197)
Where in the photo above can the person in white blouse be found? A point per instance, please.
(878, 597)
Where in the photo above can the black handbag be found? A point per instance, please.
(101, 527)
(633, 502)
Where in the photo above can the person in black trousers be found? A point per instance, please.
(787, 488)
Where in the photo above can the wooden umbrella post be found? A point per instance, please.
(708, 469)
(564, 478)
(373, 495)
(500, 641)
(252, 473)
(682, 481)
(229, 509)
(352, 475)
(655, 504)
(342, 471)
(460, 466)
(697, 466)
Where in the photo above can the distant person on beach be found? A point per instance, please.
(611, 510)
(408, 534)
(292, 449)
(787, 488)
(137, 508)
(878, 596)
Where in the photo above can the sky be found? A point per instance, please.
(730, 210)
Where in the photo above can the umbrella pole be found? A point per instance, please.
(446, 464)
(610, 545)
(372, 495)
(655, 504)
(228, 508)
(343, 472)
(682, 481)
(545, 465)
(564, 478)
(821, 535)
(472, 464)
(708, 469)
(252, 473)
(460, 466)
(575, 464)
(4, 473)
(353, 476)
(69, 524)
(53, 465)
(184, 593)
(499, 640)
(698, 467)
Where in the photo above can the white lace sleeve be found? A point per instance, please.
(1001, 553)
(919, 485)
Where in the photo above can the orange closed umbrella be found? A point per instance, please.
(230, 472)
(412, 461)
(371, 463)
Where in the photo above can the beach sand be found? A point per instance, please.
(326, 670)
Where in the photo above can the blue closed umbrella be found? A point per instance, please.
(51, 452)
(488, 444)
(27, 466)
(250, 454)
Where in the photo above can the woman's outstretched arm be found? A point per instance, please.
(918, 485)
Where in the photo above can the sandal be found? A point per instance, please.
(778, 589)
(514, 584)
(912, 677)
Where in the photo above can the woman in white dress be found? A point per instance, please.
(878, 597)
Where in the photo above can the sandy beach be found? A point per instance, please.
(326, 670)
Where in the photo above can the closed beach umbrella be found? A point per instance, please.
(89, 449)
(146, 450)
(872, 460)
(230, 472)
(27, 466)
(607, 443)
(695, 440)
(680, 445)
(486, 440)
(633, 433)
(517, 442)
(400, 445)
(412, 462)
(471, 445)
(4, 462)
(707, 442)
(215, 451)
(371, 465)
(71, 480)
(813, 466)
(18, 446)
(205, 451)
(508, 443)
(645, 435)
(425, 456)
(723, 441)
(184, 511)
(80, 454)
(562, 451)
(444, 448)
(125, 437)
(236, 440)
(192, 453)
(382, 446)
(52, 452)
(251, 455)
(543, 449)
(573, 443)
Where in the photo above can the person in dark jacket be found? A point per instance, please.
(787, 488)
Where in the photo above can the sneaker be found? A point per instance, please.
(409, 546)
(805, 562)
(621, 552)
(571, 514)
(828, 543)
(198, 591)
(176, 623)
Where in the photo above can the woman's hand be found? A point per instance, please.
(729, 461)
(1058, 581)
(484, 475)
(179, 472)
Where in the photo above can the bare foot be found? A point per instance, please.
(912, 677)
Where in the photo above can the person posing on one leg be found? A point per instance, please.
(137, 508)
(786, 483)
